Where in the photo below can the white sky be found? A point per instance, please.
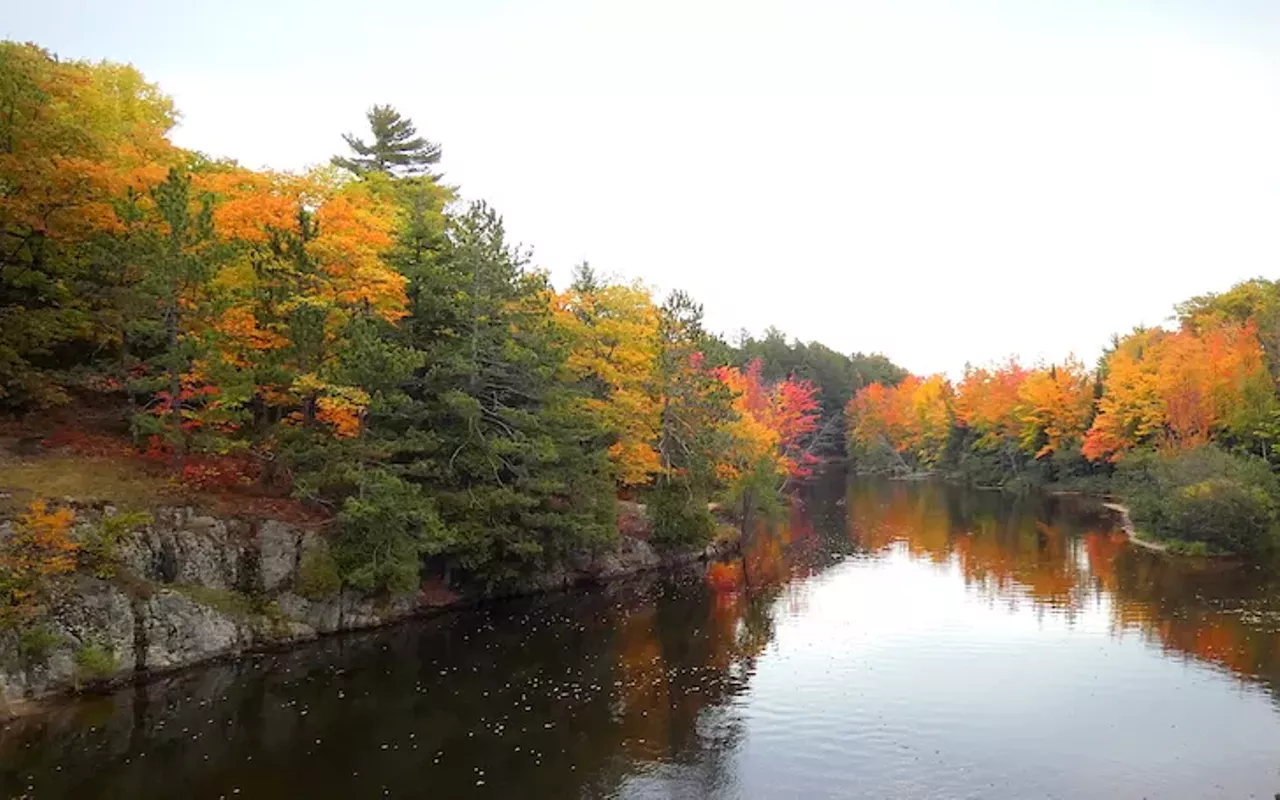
(941, 181)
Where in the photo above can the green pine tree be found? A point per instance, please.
(519, 473)
(396, 149)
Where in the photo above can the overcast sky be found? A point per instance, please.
(945, 182)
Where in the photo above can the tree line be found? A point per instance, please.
(359, 337)
(1183, 422)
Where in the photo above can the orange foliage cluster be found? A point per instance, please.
(987, 401)
(260, 274)
(1159, 389)
(1037, 410)
(773, 423)
(1034, 410)
(39, 546)
(913, 418)
(614, 331)
(1179, 389)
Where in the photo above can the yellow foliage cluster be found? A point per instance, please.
(1178, 389)
(614, 336)
(39, 547)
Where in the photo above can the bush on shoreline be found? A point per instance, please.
(1227, 502)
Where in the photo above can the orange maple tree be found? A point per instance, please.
(772, 423)
(912, 419)
(39, 547)
(1175, 389)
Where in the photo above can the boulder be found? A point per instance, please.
(279, 553)
(181, 546)
(178, 631)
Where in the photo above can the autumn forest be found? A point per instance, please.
(360, 340)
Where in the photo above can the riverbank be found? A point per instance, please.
(190, 587)
(1126, 524)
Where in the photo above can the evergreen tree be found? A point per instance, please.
(396, 149)
(178, 269)
(695, 408)
(520, 475)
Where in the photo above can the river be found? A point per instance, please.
(904, 640)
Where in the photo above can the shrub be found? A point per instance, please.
(318, 576)
(35, 643)
(384, 532)
(94, 662)
(680, 518)
(100, 544)
(38, 548)
(1227, 502)
(1222, 513)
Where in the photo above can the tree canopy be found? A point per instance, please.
(355, 337)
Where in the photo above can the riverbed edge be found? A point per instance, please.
(176, 603)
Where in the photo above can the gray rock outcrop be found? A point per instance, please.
(190, 587)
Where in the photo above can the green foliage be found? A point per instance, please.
(396, 147)
(1227, 502)
(383, 533)
(100, 543)
(318, 576)
(678, 516)
(93, 663)
(35, 643)
(1192, 549)
(696, 406)
(755, 495)
(492, 432)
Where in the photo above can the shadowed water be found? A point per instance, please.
(887, 640)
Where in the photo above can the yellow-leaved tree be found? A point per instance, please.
(613, 331)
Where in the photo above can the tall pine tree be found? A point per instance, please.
(520, 474)
(396, 149)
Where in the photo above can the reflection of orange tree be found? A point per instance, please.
(1210, 611)
(645, 703)
(773, 553)
(680, 656)
(1003, 554)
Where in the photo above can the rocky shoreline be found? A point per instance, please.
(190, 588)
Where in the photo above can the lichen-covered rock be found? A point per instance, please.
(183, 546)
(347, 610)
(87, 615)
(635, 555)
(278, 553)
(630, 556)
(323, 615)
(178, 631)
(364, 612)
(92, 613)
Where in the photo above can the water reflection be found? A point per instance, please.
(884, 639)
(1063, 555)
(560, 697)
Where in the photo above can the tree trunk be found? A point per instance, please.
(175, 390)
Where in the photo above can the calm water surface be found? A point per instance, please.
(891, 640)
